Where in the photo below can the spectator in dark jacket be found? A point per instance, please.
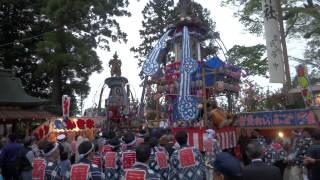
(26, 157)
(258, 169)
(8, 158)
(226, 167)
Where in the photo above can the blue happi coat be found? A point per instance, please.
(154, 163)
(52, 171)
(190, 167)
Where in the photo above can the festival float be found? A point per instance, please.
(119, 106)
(282, 122)
(71, 126)
(185, 86)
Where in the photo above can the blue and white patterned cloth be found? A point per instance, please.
(154, 165)
(193, 172)
(301, 147)
(52, 171)
(274, 153)
(65, 167)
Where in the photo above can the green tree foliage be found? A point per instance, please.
(20, 20)
(301, 19)
(155, 19)
(65, 53)
(250, 59)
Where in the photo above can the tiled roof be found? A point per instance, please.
(24, 114)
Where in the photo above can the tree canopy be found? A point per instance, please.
(301, 19)
(57, 54)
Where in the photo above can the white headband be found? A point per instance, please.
(51, 151)
(90, 150)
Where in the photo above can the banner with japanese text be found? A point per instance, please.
(273, 43)
(271, 119)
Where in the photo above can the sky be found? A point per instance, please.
(232, 32)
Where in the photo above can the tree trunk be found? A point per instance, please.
(57, 89)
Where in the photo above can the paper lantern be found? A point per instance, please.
(81, 123)
(90, 123)
(70, 125)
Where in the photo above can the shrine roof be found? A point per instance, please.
(19, 114)
(12, 92)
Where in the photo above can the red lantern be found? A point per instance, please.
(90, 123)
(70, 124)
(46, 129)
(81, 123)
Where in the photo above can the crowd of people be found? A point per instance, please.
(158, 156)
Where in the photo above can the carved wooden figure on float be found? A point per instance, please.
(115, 65)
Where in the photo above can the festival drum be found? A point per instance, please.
(217, 117)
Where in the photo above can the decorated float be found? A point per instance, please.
(121, 107)
(282, 122)
(184, 86)
(70, 126)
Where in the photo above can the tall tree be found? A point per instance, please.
(156, 15)
(52, 43)
(68, 53)
(250, 59)
(21, 26)
(301, 18)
